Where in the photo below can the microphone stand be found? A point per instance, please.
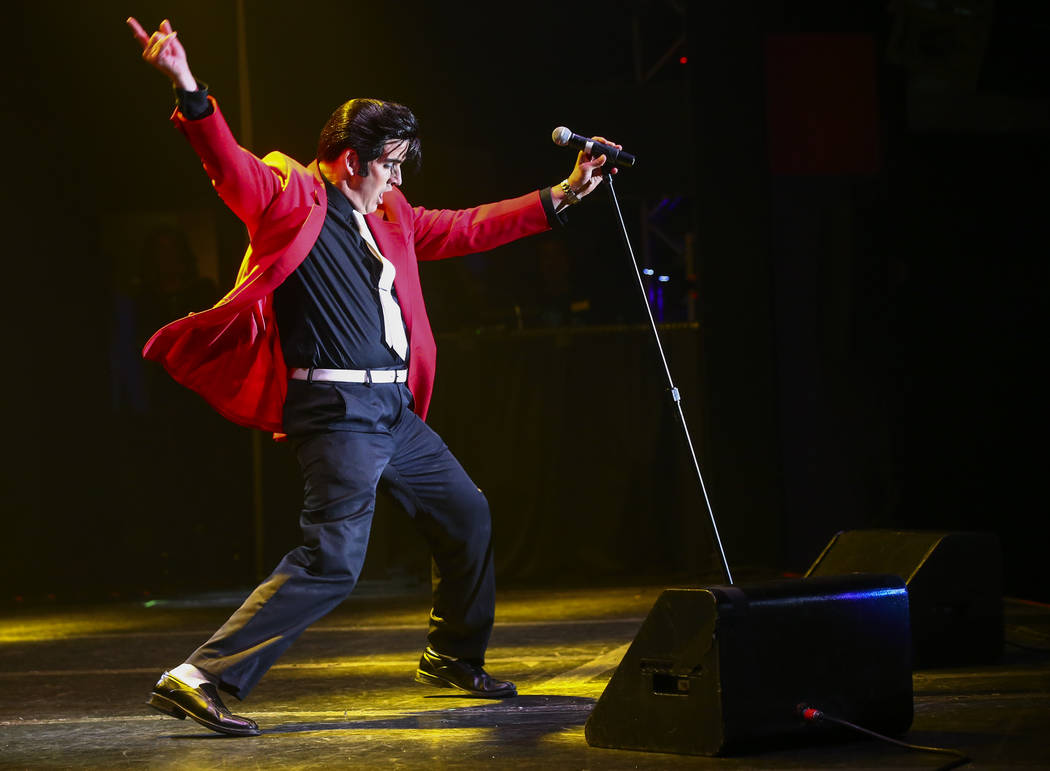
(670, 382)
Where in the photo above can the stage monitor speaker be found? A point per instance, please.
(954, 585)
(721, 670)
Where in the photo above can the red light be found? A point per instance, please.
(683, 60)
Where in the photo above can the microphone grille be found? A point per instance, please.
(561, 135)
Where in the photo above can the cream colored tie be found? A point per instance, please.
(393, 323)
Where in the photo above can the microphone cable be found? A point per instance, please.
(813, 715)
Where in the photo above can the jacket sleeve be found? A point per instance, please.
(246, 184)
(441, 233)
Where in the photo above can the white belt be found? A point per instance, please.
(352, 375)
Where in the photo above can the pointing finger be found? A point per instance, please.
(138, 31)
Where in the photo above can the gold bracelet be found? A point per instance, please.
(570, 194)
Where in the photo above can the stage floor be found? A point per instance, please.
(74, 681)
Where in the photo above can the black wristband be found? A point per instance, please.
(194, 104)
(554, 218)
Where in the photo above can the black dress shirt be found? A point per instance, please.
(328, 311)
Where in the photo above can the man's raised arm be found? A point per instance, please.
(242, 180)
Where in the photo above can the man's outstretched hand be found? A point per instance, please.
(586, 175)
(163, 50)
(589, 172)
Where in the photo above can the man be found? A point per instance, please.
(325, 338)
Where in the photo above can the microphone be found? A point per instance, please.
(562, 136)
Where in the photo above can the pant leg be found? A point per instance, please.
(453, 516)
(341, 469)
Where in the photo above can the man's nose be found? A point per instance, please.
(395, 177)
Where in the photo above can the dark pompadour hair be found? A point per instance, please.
(366, 125)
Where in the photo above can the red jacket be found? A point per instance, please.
(231, 354)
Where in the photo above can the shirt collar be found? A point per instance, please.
(339, 203)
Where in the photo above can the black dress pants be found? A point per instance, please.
(349, 438)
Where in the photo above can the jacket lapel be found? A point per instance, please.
(389, 239)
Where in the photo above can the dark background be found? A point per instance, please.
(848, 201)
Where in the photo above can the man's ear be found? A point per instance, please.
(350, 161)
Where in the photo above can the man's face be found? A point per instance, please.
(366, 193)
